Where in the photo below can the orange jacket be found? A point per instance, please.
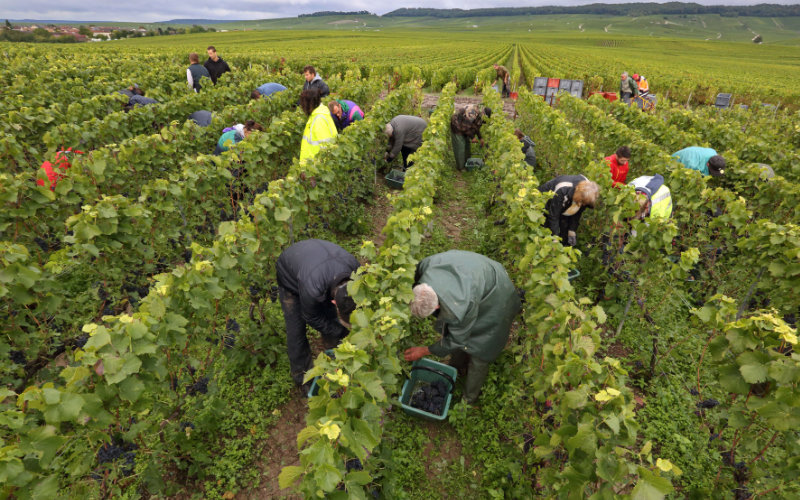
(644, 86)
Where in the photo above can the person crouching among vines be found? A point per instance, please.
(344, 113)
(474, 302)
(465, 126)
(319, 128)
(234, 135)
(312, 287)
(266, 90)
(704, 160)
(571, 195)
(653, 196)
(405, 137)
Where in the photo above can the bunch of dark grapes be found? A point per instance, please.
(17, 357)
(42, 244)
(199, 387)
(119, 449)
(79, 342)
(708, 403)
(740, 472)
(430, 397)
(353, 464)
(742, 493)
(232, 328)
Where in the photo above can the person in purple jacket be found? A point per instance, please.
(344, 113)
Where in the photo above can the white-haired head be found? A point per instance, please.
(388, 130)
(425, 301)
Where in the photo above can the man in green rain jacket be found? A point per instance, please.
(475, 302)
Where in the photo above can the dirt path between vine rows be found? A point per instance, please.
(430, 100)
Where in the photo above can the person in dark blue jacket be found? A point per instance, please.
(312, 287)
(202, 117)
(267, 90)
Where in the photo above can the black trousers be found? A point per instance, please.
(297, 346)
(405, 151)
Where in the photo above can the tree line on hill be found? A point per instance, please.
(324, 13)
(626, 9)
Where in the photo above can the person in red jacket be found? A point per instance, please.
(62, 162)
(618, 162)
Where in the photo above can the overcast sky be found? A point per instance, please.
(159, 10)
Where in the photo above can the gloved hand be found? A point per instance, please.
(572, 238)
(387, 158)
(415, 353)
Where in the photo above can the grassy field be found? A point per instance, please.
(684, 66)
(702, 27)
(706, 27)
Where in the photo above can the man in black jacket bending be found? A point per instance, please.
(312, 286)
(571, 195)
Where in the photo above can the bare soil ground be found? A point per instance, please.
(430, 100)
(280, 450)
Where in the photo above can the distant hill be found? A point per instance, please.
(603, 9)
(202, 22)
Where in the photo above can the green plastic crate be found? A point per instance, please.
(314, 389)
(421, 374)
(396, 178)
(473, 163)
(573, 274)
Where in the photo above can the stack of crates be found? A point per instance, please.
(540, 85)
(549, 88)
(552, 90)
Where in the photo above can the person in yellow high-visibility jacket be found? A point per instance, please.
(320, 128)
(653, 196)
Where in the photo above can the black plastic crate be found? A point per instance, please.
(576, 89)
(723, 100)
(540, 81)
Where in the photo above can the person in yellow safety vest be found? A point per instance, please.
(643, 84)
(320, 128)
(653, 196)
